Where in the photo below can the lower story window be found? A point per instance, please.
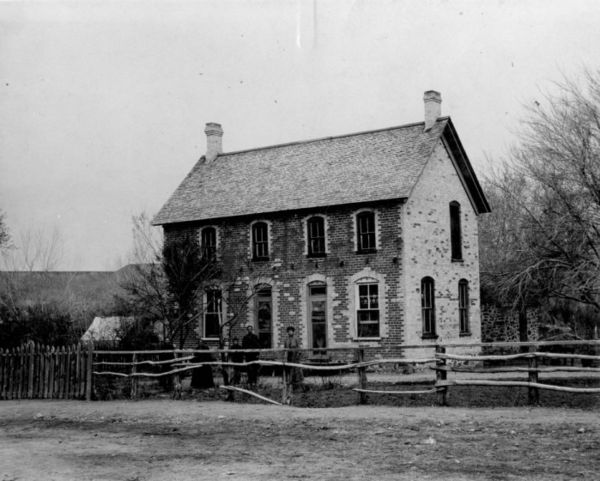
(428, 306)
(367, 314)
(463, 306)
(212, 313)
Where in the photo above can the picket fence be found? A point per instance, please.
(35, 371)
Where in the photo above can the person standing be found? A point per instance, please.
(250, 341)
(294, 374)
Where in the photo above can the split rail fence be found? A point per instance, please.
(44, 372)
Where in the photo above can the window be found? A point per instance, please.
(365, 232)
(367, 314)
(260, 241)
(208, 243)
(463, 306)
(428, 306)
(455, 233)
(315, 227)
(212, 313)
(264, 316)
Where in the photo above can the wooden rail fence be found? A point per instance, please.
(34, 371)
(42, 372)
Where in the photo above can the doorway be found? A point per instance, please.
(317, 309)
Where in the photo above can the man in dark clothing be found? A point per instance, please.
(202, 377)
(250, 341)
(237, 357)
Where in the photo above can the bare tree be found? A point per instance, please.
(4, 234)
(165, 284)
(36, 251)
(543, 239)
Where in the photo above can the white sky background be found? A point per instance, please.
(103, 105)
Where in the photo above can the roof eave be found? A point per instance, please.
(402, 198)
(451, 136)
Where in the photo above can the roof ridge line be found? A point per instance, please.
(331, 137)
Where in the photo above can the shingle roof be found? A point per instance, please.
(368, 166)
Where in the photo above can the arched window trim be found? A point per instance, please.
(455, 231)
(266, 242)
(428, 314)
(365, 277)
(307, 236)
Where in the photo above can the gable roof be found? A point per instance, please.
(367, 166)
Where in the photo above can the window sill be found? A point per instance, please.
(366, 339)
(429, 336)
(459, 261)
(367, 251)
(465, 334)
(210, 338)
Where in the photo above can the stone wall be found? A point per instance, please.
(502, 324)
(428, 247)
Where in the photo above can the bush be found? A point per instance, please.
(42, 323)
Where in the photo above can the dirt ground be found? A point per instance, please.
(190, 440)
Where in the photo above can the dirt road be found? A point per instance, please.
(187, 440)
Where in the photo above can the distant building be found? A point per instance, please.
(364, 238)
(106, 329)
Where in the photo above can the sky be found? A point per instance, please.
(103, 104)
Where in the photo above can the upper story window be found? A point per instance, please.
(463, 306)
(455, 231)
(315, 227)
(260, 241)
(212, 312)
(208, 243)
(365, 232)
(428, 306)
(367, 314)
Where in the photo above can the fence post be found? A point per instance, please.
(534, 393)
(284, 380)
(89, 372)
(441, 375)
(362, 375)
(134, 383)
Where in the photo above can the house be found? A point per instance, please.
(364, 238)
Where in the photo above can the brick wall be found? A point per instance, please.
(427, 241)
(289, 270)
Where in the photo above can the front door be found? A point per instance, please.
(264, 317)
(317, 305)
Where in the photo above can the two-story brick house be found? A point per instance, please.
(364, 238)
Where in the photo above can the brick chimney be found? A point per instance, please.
(433, 107)
(214, 143)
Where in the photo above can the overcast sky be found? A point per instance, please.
(103, 104)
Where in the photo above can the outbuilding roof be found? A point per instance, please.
(362, 167)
